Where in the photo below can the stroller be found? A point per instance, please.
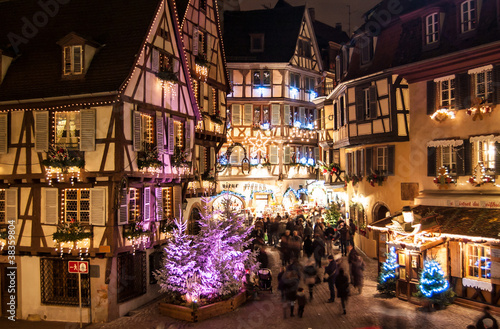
(265, 279)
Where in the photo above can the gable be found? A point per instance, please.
(307, 55)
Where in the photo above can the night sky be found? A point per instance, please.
(327, 11)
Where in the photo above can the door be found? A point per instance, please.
(9, 286)
(409, 266)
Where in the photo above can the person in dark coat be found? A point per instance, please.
(308, 246)
(310, 274)
(356, 267)
(342, 285)
(487, 321)
(281, 285)
(344, 237)
(285, 251)
(352, 231)
(329, 235)
(308, 230)
(290, 285)
(319, 250)
(331, 270)
(301, 301)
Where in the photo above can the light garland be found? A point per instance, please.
(202, 71)
(432, 281)
(444, 180)
(477, 110)
(480, 177)
(263, 192)
(443, 114)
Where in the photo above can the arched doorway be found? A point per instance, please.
(194, 222)
(380, 212)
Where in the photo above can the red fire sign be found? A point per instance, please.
(78, 267)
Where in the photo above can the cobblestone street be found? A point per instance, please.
(363, 310)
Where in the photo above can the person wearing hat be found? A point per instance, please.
(330, 275)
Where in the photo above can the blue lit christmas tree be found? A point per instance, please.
(388, 276)
(433, 285)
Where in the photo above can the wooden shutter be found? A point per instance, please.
(373, 101)
(187, 137)
(335, 116)
(359, 105)
(159, 203)
(369, 161)
(236, 114)
(160, 131)
(136, 125)
(495, 76)
(247, 114)
(211, 160)
(455, 259)
(209, 47)
(467, 157)
(348, 163)
(171, 136)
(275, 115)
(147, 204)
(462, 92)
(302, 116)
(177, 204)
(391, 159)
(49, 203)
(431, 161)
(460, 152)
(273, 151)
(87, 129)
(497, 158)
(286, 114)
(98, 206)
(202, 159)
(286, 155)
(431, 97)
(41, 131)
(155, 60)
(11, 206)
(316, 154)
(195, 40)
(361, 162)
(3, 133)
(123, 212)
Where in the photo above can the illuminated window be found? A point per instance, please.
(134, 205)
(168, 202)
(262, 78)
(432, 28)
(447, 92)
(73, 60)
(479, 261)
(77, 205)
(447, 157)
(179, 134)
(485, 152)
(468, 15)
(147, 129)
(67, 126)
(483, 86)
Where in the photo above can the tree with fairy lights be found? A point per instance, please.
(179, 262)
(223, 252)
(388, 276)
(433, 285)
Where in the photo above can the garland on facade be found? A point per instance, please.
(179, 159)
(62, 159)
(480, 177)
(375, 178)
(239, 195)
(149, 158)
(137, 234)
(443, 179)
(70, 232)
(264, 192)
(443, 114)
(478, 108)
(354, 179)
(330, 169)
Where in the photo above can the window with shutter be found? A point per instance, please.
(273, 150)
(177, 204)
(188, 138)
(286, 155)
(49, 202)
(195, 40)
(3, 133)
(168, 202)
(41, 131)
(247, 114)
(124, 211)
(160, 143)
(137, 126)
(77, 205)
(431, 97)
(316, 154)
(391, 159)
(275, 115)
(373, 102)
(236, 114)
(147, 204)
(98, 206)
(360, 104)
(171, 136)
(11, 206)
(87, 129)
(286, 115)
(73, 60)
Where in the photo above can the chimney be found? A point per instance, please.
(312, 13)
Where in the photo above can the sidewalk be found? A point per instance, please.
(362, 311)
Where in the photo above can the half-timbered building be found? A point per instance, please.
(205, 53)
(365, 129)
(274, 66)
(95, 101)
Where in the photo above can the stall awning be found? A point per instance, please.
(479, 224)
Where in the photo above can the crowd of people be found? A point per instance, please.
(303, 245)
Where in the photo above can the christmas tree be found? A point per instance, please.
(223, 252)
(433, 285)
(388, 276)
(179, 263)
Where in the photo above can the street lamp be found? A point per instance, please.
(407, 214)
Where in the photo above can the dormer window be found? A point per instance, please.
(432, 28)
(468, 15)
(366, 46)
(257, 42)
(73, 60)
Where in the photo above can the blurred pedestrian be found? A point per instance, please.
(308, 246)
(290, 285)
(342, 285)
(319, 250)
(301, 301)
(487, 321)
(329, 234)
(344, 237)
(330, 275)
(310, 275)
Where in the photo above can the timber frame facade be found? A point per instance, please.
(95, 138)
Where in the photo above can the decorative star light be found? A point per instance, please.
(259, 142)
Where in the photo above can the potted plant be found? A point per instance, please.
(375, 178)
(62, 160)
(149, 158)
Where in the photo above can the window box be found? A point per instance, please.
(443, 179)
(71, 235)
(63, 161)
(149, 159)
(375, 178)
(167, 75)
(354, 179)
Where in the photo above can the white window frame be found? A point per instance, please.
(382, 159)
(78, 201)
(468, 16)
(484, 151)
(487, 84)
(71, 133)
(72, 65)
(451, 92)
(432, 28)
(450, 163)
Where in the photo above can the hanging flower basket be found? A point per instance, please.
(179, 159)
(375, 178)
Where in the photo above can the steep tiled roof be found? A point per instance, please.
(325, 33)
(280, 26)
(119, 26)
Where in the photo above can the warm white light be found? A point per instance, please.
(407, 214)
